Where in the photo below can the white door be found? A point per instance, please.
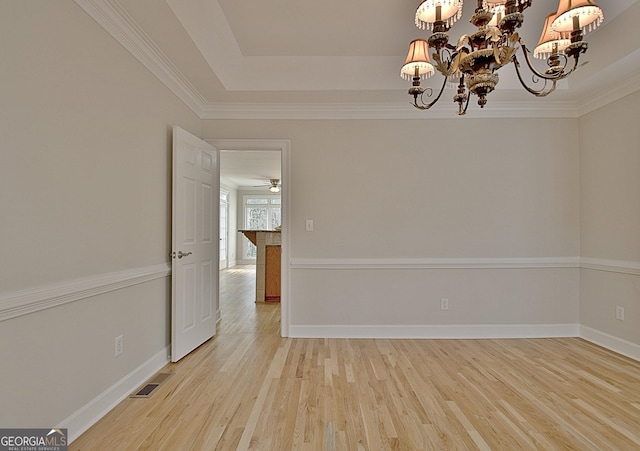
(194, 269)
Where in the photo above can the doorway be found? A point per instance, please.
(283, 147)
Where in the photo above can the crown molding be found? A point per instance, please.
(111, 16)
(318, 111)
(615, 92)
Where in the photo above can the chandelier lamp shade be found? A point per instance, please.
(551, 41)
(418, 61)
(475, 59)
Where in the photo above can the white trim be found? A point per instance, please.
(284, 147)
(611, 342)
(111, 16)
(23, 302)
(436, 331)
(89, 414)
(399, 110)
(598, 98)
(598, 264)
(435, 263)
(619, 266)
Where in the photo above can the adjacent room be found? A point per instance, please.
(451, 257)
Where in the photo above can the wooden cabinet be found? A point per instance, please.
(268, 261)
(272, 273)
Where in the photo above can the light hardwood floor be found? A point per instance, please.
(247, 388)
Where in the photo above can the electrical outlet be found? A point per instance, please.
(619, 313)
(444, 304)
(119, 345)
(308, 225)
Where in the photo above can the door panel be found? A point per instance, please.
(194, 243)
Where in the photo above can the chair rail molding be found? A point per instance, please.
(32, 300)
(435, 263)
(619, 266)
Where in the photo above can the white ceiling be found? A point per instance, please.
(249, 169)
(254, 58)
(279, 45)
(298, 59)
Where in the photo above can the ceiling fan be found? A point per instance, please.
(273, 185)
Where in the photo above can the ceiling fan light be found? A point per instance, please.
(275, 185)
(577, 14)
(417, 62)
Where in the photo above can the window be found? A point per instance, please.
(261, 212)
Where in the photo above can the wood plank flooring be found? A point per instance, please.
(249, 389)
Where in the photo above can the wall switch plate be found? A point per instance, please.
(444, 304)
(619, 313)
(119, 345)
(308, 225)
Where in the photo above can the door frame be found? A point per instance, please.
(284, 147)
(226, 226)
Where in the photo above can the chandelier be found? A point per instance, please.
(473, 62)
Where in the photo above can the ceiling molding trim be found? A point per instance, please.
(111, 16)
(615, 92)
(315, 111)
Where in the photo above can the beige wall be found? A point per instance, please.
(372, 186)
(398, 190)
(85, 138)
(610, 220)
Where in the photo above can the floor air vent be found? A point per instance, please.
(149, 387)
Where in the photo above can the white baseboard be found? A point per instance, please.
(435, 331)
(89, 414)
(611, 342)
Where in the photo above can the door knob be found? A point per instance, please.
(183, 254)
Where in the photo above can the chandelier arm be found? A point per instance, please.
(462, 112)
(556, 75)
(544, 91)
(427, 106)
